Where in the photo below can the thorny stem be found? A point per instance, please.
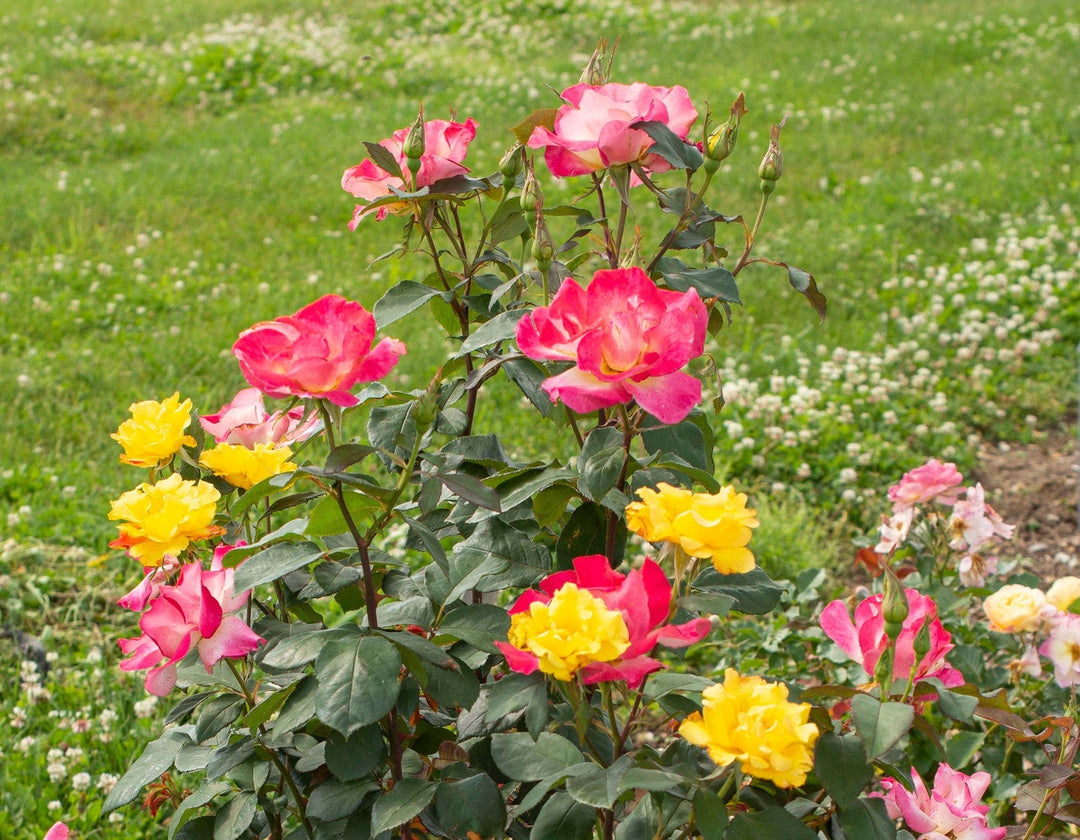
(693, 200)
(612, 517)
(370, 596)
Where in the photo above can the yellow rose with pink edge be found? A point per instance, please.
(1063, 592)
(1015, 608)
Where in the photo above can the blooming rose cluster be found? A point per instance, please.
(713, 525)
(973, 525)
(952, 809)
(197, 613)
(596, 622)
(627, 340)
(751, 721)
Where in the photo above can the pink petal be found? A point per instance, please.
(583, 392)
(632, 670)
(836, 622)
(517, 659)
(160, 681)
(667, 398)
(59, 831)
(232, 639)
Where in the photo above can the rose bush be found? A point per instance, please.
(353, 662)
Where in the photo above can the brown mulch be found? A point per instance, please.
(1034, 487)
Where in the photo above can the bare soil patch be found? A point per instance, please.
(1034, 487)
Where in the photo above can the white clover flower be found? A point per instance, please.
(106, 782)
(80, 781)
(145, 708)
(56, 771)
(26, 744)
(54, 805)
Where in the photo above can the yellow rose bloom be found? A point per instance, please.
(163, 518)
(1063, 592)
(749, 720)
(573, 629)
(1015, 608)
(155, 431)
(717, 526)
(243, 467)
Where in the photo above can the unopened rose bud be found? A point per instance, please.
(883, 669)
(921, 644)
(512, 162)
(543, 249)
(721, 142)
(894, 607)
(425, 410)
(413, 147)
(531, 195)
(772, 165)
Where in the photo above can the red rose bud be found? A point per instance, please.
(721, 142)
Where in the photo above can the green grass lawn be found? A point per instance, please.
(170, 175)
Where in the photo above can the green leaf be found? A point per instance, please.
(585, 533)
(356, 756)
(327, 519)
(525, 760)
(529, 377)
(671, 147)
(266, 707)
(201, 796)
(842, 767)
(273, 563)
(958, 706)
(500, 328)
(481, 625)
(335, 800)
(708, 603)
(710, 814)
(596, 786)
(429, 540)
(549, 505)
(344, 456)
(472, 805)
(215, 715)
(471, 489)
(383, 158)
(804, 283)
(880, 725)
(403, 802)
(358, 682)
(452, 686)
(755, 593)
(148, 767)
(542, 116)
(299, 708)
(230, 757)
(296, 650)
(234, 816)
(562, 818)
(494, 557)
(515, 692)
(770, 823)
(526, 486)
(961, 748)
(867, 819)
(600, 472)
(401, 299)
(715, 282)
(683, 439)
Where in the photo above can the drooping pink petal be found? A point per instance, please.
(667, 398)
(232, 639)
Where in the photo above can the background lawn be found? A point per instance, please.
(169, 174)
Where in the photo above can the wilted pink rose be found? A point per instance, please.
(59, 831)
(894, 530)
(951, 810)
(245, 422)
(195, 613)
(321, 352)
(592, 130)
(933, 480)
(445, 145)
(628, 340)
(865, 639)
(642, 597)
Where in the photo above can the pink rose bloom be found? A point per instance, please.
(974, 523)
(933, 480)
(865, 639)
(149, 588)
(445, 145)
(643, 597)
(321, 352)
(951, 811)
(59, 831)
(592, 130)
(195, 613)
(1063, 649)
(627, 340)
(245, 422)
